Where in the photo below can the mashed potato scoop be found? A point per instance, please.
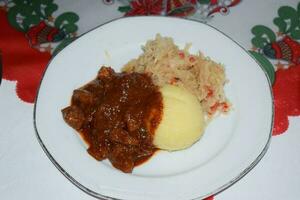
(182, 121)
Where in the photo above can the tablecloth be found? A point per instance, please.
(31, 32)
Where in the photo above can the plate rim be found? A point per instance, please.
(217, 190)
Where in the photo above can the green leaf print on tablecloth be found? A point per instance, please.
(266, 64)
(26, 13)
(66, 22)
(282, 45)
(35, 18)
(288, 21)
(263, 35)
(204, 1)
(124, 9)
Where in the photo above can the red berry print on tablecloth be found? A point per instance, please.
(24, 66)
(44, 33)
(197, 9)
(286, 91)
(180, 8)
(145, 7)
(223, 8)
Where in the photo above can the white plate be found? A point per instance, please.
(232, 144)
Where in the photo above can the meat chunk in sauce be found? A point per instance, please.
(117, 114)
(74, 116)
(122, 157)
(83, 98)
(122, 136)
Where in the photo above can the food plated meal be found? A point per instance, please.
(163, 99)
(229, 145)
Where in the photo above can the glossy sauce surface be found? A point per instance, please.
(117, 114)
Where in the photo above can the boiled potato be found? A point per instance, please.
(182, 121)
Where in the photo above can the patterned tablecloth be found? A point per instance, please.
(31, 32)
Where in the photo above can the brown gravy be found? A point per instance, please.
(117, 114)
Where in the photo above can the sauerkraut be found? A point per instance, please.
(166, 63)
